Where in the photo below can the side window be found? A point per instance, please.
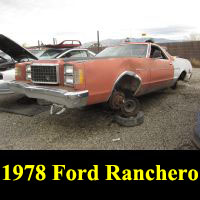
(72, 54)
(84, 54)
(76, 54)
(157, 53)
(90, 55)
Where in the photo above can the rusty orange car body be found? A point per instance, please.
(136, 68)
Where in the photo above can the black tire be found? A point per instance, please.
(175, 85)
(181, 78)
(130, 121)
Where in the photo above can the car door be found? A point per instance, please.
(161, 68)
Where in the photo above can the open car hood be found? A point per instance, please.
(14, 50)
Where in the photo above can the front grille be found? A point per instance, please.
(44, 74)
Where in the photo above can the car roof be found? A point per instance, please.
(142, 43)
(66, 49)
(137, 42)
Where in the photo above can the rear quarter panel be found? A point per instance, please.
(181, 65)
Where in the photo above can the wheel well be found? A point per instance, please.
(128, 83)
(182, 76)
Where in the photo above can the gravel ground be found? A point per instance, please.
(170, 117)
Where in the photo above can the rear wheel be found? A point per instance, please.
(175, 85)
(181, 78)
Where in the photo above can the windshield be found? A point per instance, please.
(51, 53)
(36, 52)
(130, 50)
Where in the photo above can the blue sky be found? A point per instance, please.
(27, 21)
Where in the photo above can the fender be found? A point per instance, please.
(181, 65)
(129, 73)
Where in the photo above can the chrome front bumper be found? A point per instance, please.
(54, 95)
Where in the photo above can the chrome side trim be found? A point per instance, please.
(130, 73)
(148, 51)
(136, 76)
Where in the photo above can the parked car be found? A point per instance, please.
(67, 53)
(6, 62)
(65, 44)
(37, 52)
(24, 57)
(117, 75)
(17, 54)
(7, 72)
(5, 76)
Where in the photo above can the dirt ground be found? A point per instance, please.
(169, 120)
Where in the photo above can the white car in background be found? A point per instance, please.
(20, 54)
(5, 76)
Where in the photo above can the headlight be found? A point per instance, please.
(69, 74)
(28, 76)
(69, 79)
(68, 69)
(28, 72)
(73, 76)
(28, 68)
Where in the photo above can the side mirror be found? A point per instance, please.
(157, 54)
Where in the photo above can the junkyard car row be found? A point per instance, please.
(21, 55)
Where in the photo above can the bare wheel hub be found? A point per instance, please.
(117, 100)
(130, 107)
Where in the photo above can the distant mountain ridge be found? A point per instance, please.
(112, 42)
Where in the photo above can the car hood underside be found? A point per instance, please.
(14, 50)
